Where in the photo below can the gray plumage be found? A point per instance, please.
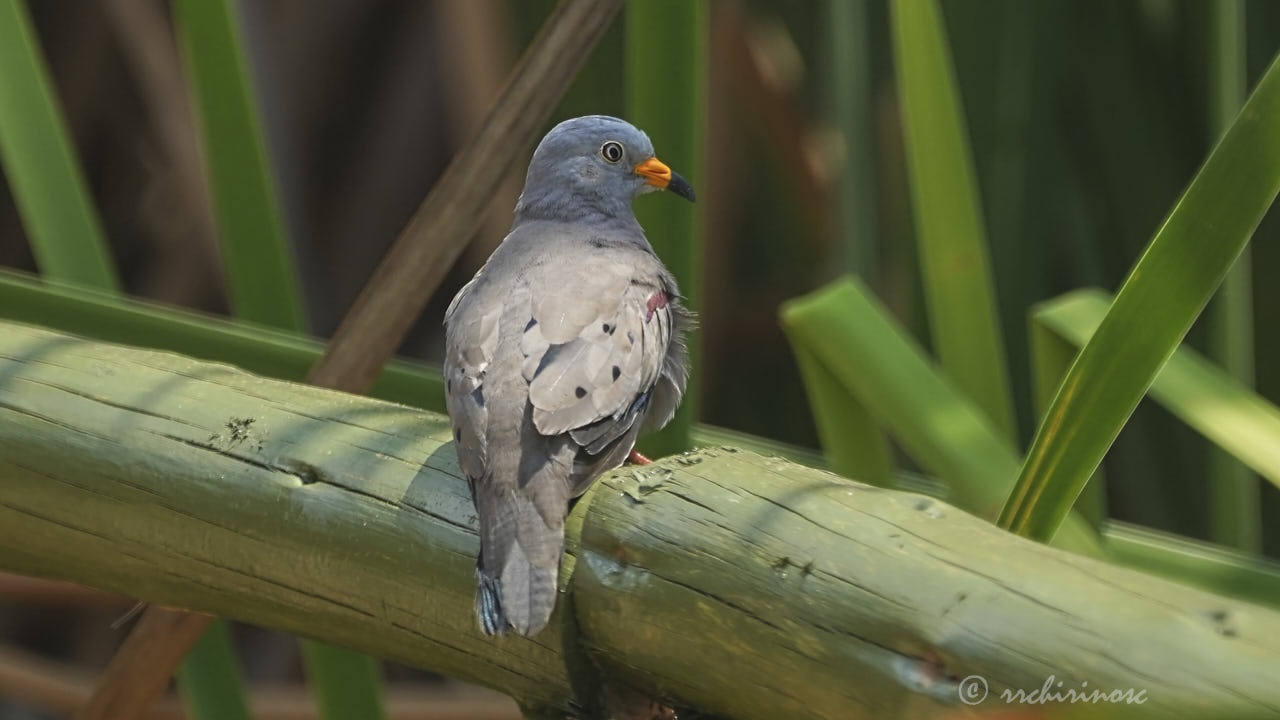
(562, 349)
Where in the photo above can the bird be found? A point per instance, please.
(562, 349)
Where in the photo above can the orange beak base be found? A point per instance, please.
(656, 173)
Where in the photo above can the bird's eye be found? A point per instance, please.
(611, 151)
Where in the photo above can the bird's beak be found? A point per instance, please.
(656, 173)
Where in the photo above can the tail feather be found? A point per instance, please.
(520, 597)
(521, 506)
(489, 605)
(529, 589)
(520, 548)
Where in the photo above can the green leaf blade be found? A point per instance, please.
(261, 279)
(959, 288)
(345, 684)
(1185, 262)
(853, 444)
(256, 348)
(1230, 414)
(209, 678)
(40, 163)
(1051, 357)
(1209, 567)
(844, 328)
(857, 342)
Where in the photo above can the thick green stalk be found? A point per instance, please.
(665, 83)
(1234, 497)
(40, 163)
(288, 356)
(1167, 288)
(958, 286)
(345, 518)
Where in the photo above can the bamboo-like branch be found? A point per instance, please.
(742, 585)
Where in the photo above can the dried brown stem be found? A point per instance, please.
(454, 210)
(24, 590)
(139, 672)
(176, 202)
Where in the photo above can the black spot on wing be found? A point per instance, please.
(617, 373)
(608, 329)
(579, 392)
(532, 322)
(595, 437)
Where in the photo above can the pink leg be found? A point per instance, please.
(636, 458)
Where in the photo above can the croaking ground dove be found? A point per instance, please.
(562, 349)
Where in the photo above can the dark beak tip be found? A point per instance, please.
(681, 187)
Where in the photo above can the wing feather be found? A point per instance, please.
(597, 374)
(472, 341)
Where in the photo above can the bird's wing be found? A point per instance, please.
(593, 350)
(472, 342)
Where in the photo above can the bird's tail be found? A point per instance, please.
(518, 566)
(489, 604)
(520, 599)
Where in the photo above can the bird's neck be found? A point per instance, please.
(579, 208)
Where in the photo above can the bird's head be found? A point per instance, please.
(594, 164)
